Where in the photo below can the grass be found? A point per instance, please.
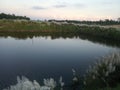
(112, 26)
(104, 73)
(47, 27)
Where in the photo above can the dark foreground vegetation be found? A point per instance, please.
(105, 73)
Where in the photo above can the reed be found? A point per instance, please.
(50, 27)
(104, 73)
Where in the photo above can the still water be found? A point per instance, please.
(43, 57)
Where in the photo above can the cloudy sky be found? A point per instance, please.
(63, 9)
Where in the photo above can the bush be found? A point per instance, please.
(104, 73)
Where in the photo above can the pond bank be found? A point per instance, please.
(7, 26)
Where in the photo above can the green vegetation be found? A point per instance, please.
(12, 23)
(9, 16)
(32, 26)
(101, 22)
(47, 27)
(104, 74)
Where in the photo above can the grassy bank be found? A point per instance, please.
(49, 27)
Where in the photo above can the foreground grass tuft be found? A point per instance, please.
(104, 73)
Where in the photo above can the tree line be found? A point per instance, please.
(12, 16)
(100, 22)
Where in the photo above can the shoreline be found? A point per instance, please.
(105, 32)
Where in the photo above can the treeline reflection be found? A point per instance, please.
(55, 35)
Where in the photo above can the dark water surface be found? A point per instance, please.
(42, 57)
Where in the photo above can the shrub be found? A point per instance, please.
(104, 73)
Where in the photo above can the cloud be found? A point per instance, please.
(38, 8)
(60, 6)
(79, 5)
(107, 3)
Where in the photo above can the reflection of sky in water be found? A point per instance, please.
(42, 57)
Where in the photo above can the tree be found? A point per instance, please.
(119, 19)
(12, 16)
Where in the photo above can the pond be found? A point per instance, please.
(42, 57)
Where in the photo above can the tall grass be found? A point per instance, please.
(104, 73)
(30, 26)
(47, 27)
(24, 83)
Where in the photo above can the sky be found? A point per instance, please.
(63, 9)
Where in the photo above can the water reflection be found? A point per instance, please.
(31, 35)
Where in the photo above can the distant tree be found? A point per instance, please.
(119, 19)
(13, 16)
(100, 22)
